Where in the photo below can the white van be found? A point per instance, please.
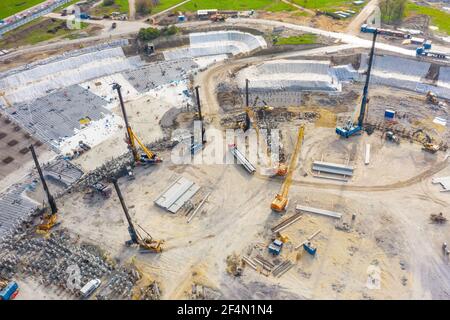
(90, 287)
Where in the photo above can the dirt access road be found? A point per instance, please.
(355, 25)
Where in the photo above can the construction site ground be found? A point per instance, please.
(392, 199)
(385, 230)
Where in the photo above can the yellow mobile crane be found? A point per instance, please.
(136, 238)
(49, 218)
(280, 169)
(148, 157)
(281, 199)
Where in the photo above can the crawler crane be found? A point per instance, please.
(49, 217)
(148, 157)
(279, 169)
(281, 199)
(350, 128)
(136, 238)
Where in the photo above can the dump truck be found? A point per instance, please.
(8, 290)
(275, 247)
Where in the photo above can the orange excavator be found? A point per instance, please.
(281, 199)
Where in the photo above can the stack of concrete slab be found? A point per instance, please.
(332, 168)
(444, 182)
(177, 195)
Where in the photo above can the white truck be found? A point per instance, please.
(90, 287)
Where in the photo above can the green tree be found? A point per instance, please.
(144, 7)
(392, 11)
(107, 3)
(146, 34)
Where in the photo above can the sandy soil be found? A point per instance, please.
(235, 219)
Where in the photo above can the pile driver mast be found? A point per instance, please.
(49, 218)
(148, 157)
(145, 243)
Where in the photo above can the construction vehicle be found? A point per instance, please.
(146, 243)
(148, 157)
(391, 136)
(198, 145)
(275, 247)
(8, 290)
(280, 202)
(427, 142)
(102, 189)
(438, 218)
(386, 32)
(217, 18)
(49, 219)
(309, 248)
(430, 147)
(431, 98)
(279, 169)
(423, 52)
(350, 129)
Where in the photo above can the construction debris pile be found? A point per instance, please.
(59, 261)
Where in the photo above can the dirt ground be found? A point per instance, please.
(235, 220)
(391, 199)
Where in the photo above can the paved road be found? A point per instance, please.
(354, 26)
(125, 28)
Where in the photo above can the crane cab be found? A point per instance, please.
(279, 204)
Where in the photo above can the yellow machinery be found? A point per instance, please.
(147, 157)
(281, 168)
(146, 243)
(281, 199)
(49, 219)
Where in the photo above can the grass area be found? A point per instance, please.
(439, 18)
(267, 5)
(165, 4)
(121, 6)
(328, 5)
(10, 7)
(39, 30)
(295, 40)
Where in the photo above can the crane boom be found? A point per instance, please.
(131, 228)
(350, 129)
(362, 112)
(149, 156)
(51, 200)
(145, 243)
(281, 199)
